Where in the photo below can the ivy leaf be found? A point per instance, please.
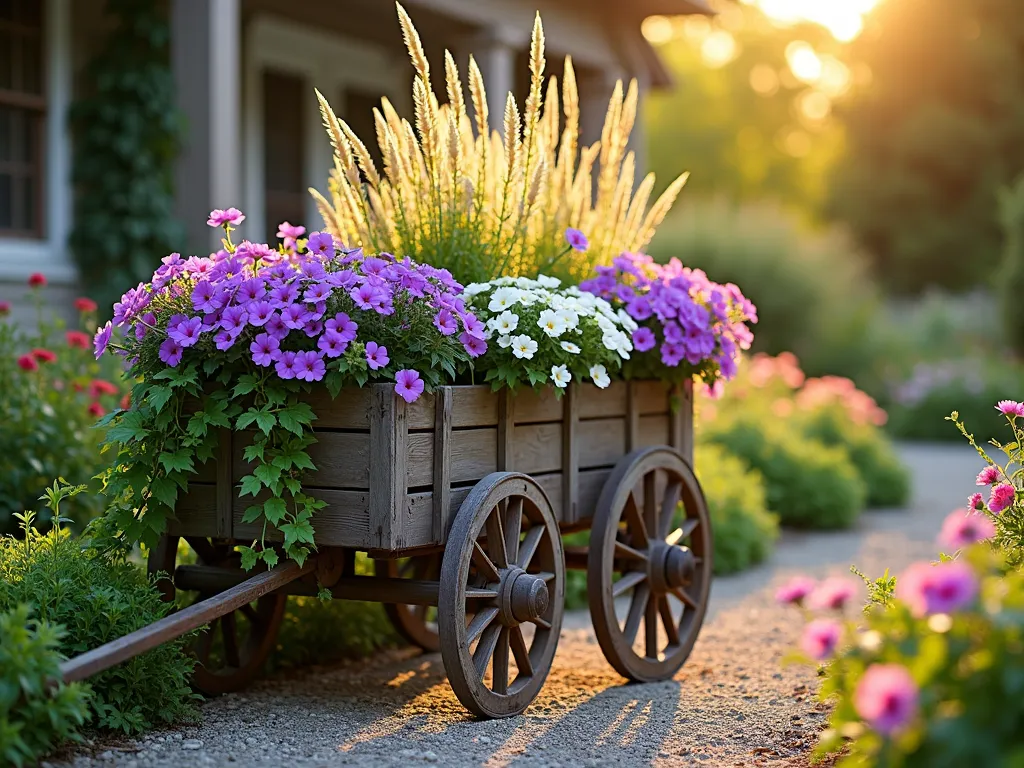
(254, 452)
(246, 419)
(265, 420)
(334, 382)
(249, 557)
(164, 490)
(268, 474)
(275, 510)
(245, 385)
(130, 428)
(295, 416)
(250, 486)
(252, 513)
(269, 557)
(298, 532)
(197, 425)
(298, 554)
(179, 461)
(293, 485)
(215, 414)
(158, 396)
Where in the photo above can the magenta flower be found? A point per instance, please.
(309, 366)
(974, 501)
(186, 332)
(219, 218)
(295, 316)
(376, 356)
(171, 352)
(795, 590)
(251, 290)
(102, 339)
(940, 588)
(225, 339)
(321, 243)
(332, 344)
(820, 638)
(474, 346)
(643, 339)
(265, 349)
(832, 593)
(886, 697)
(576, 240)
(364, 296)
(408, 385)
(445, 322)
(275, 327)
(988, 476)
(343, 325)
(639, 308)
(1003, 496)
(259, 313)
(283, 296)
(318, 292)
(286, 365)
(286, 231)
(473, 326)
(1010, 407)
(963, 528)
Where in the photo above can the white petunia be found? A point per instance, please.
(610, 340)
(526, 298)
(569, 317)
(548, 282)
(503, 298)
(568, 346)
(560, 376)
(504, 323)
(504, 342)
(627, 322)
(523, 346)
(600, 376)
(553, 325)
(473, 289)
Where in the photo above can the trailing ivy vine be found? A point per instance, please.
(126, 137)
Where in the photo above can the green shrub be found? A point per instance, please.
(96, 599)
(34, 718)
(744, 530)
(809, 485)
(886, 477)
(52, 391)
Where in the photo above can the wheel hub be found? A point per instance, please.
(670, 566)
(522, 597)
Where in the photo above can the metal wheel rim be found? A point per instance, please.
(648, 595)
(496, 643)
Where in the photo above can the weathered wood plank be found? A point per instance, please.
(537, 448)
(342, 459)
(632, 417)
(651, 396)
(534, 407)
(195, 514)
(225, 484)
(602, 442)
(602, 403)
(474, 453)
(344, 522)
(682, 422)
(388, 433)
(571, 452)
(506, 431)
(442, 462)
(655, 430)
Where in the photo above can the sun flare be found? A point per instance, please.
(843, 18)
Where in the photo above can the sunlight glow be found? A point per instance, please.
(843, 18)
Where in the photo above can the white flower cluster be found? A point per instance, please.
(510, 307)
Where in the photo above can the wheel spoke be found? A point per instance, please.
(542, 623)
(689, 526)
(499, 670)
(651, 503)
(513, 527)
(529, 546)
(627, 582)
(636, 612)
(671, 629)
(545, 576)
(250, 613)
(684, 597)
(496, 538)
(651, 628)
(675, 537)
(484, 564)
(204, 548)
(230, 633)
(479, 623)
(479, 593)
(626, 552)
(634, 522)
(521, 652)
(484, 651)
(206, 642)
(668, 507)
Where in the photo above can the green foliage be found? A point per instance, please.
(967, 666)
(809, 485)
(812, 295)
(126, 134)
(97, 599)
(870, 451)
(919, 193)
(744, 530)
(34, 718)
(48, 412)
(1011, 273)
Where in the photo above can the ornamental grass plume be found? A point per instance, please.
(455, 193)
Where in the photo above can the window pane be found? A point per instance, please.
(6, 55)
(283, 150)
(28, 206)
(6, 214)
(31, 66)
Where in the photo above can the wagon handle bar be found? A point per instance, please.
(177, 624)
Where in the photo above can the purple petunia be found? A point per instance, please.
(186, 331)
(643, 339)
(251, 290)
(321, 243)
(219, 218)
(234, 319)
(376, 356)
(283, 296)
(309, 366)
(332, 344)
(576, 240)
(473, 345)
(408, 385)
(285, 365)
(295, 316)
(343, 325)
(317, 292)
(445, 322)
(171, 352)
(259, 313)
(265, 349)
(275, 327)
(207, 297)
(102, 339)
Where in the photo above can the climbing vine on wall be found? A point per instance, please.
(126, 136)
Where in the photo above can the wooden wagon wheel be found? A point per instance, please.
(415, 623)
(662, 557)
(501, 595)
(231, 650)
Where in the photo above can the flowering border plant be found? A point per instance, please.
(689, 324)
(236, 340)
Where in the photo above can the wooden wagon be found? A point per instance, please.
(462, 498)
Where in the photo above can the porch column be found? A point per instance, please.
(207, 65)
(495, 54)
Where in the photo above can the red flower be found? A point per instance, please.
(5, 308)
(101, 387)
(77, 339)
(126, 401)
(84, 304)
(95, 409)
(28, 363)
(43, 355)
(37, 280)
(79, 387)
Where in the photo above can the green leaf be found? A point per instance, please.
(179, 461)
(245, 419)
(298, 553)
(197, 425)
(130, 428)
(164, 490)
(254, 452)
(245, 385)
(293, 485)
(158, 396)
(250, 486)
(298, 532)
(252, 513)
(295, 416)
(210, 365)
(265, 420)
(269, 557)
(334, 382)
(267, 474)
(249, 557)
(275, 510)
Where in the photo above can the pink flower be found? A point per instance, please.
(832, 593)
(1010, 407)
(408, 385)
(5, 308)
(474, 346)
(219, 218)
(795, 590)
(36, 280)
(974, 501)
(576, 240)
(376, 356)
(44, 355)
(940, 588)
(820, 638)
(445, 322)
(1002, 497)
(963, 528)
(77, 339)
(95, 409)
(28, 363)
(988, 476)
(85, 305)
(886, 697)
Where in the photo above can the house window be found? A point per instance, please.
(357, 111)
(285, 192)
(22, 118)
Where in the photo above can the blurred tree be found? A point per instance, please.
(1011, 273)
(937, 132)
(749, 115)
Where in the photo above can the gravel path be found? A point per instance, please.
(732, 704)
